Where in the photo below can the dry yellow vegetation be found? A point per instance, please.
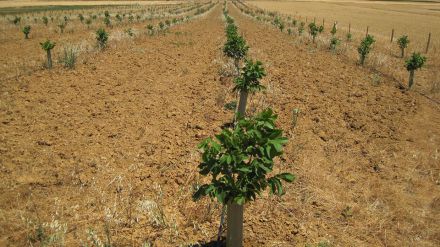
(415, 19)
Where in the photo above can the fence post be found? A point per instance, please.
(427, 44)
(367, 32)
(392, 35)
(349, 27)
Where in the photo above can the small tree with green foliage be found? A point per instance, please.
(365, 48)
(102, 38)
(48, 46)
(236, 49)
(26, 30)
(315, 30)
(403, 42)
(415, 62)
(240, 161)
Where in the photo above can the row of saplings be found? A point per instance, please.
(413, 63)
(240, 159)
(48, 45)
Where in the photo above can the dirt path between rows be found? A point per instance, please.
(112, 141)
(367, 156)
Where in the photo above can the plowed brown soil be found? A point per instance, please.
(112, 144)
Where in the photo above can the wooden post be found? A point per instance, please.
(314, 19)
(349, 27)
(323, 22)
(427, 44)
(392, 35)
(367, 32)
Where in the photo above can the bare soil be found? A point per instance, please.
(97, 146)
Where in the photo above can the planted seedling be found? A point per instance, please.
(415, 62)
(48, 46)
(150, 29)
(239, 161)
(334, 29)
(315, 30)
(248, 82)
(26, 30)
(81, 18)
(301, 28)
(16, 20)
(101, 37)
(45, 20)
(334, 43)
(349, 37)
(289, 31)
(88, 22)
(365, 47)
(403, 42)
(129, 32)
(107, 21)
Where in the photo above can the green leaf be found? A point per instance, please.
(240, 200)
(288, 177)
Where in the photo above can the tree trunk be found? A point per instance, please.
(403, 52)
(234, 236)
(362, 59)
(26, 36)
(49, 59)
(411, 79)
(313, 39)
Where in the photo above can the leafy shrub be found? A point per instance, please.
(48, 46)
(415, 62)
(289, 31)
(106, 14)
(365, 47)
(81, 18)
(102, 38)
(403, 42)
(26, 30)
(239, 161)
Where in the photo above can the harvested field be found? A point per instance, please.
(107, 151)
(416, 19)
